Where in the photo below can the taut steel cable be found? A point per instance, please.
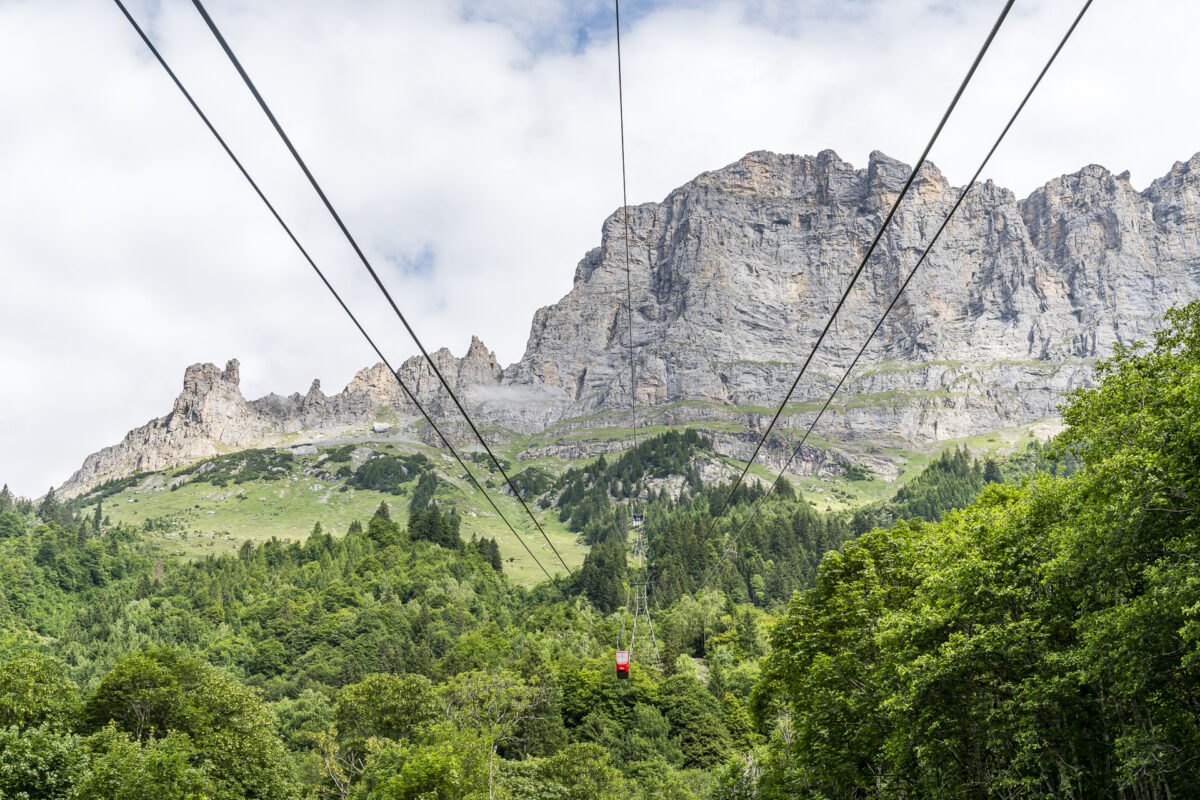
(962, 196)
(292, 236)
(862, 265)
(237, 64)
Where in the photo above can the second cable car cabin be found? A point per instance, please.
(622, 664)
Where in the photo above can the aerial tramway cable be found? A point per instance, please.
(637, 589)
(625, 218)
(304, 252)
(374, 275)
(866, 257)
(962, 196)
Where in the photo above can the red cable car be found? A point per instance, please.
(622, 663)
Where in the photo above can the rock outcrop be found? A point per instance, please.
(210, 415)
(734, 275)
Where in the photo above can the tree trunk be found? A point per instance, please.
(491, 773)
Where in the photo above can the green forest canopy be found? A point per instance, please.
(1042, 642)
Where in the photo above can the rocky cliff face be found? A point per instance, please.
(210, 413)
(734, 275)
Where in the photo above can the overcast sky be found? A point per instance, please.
(473, 148)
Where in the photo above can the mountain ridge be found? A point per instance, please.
(734, 274)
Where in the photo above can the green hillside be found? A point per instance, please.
(1042, 641)
(189, 515)
(213, 506)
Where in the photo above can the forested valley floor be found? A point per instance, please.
(1029, 628)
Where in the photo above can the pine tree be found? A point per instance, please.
(49, 505)
(382, 528)
(602, 575)
(426, 486)
(489, 550)
(718, 680)
(6, 499)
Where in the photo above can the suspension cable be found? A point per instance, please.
(628, 295)
(962, 196)
(291, 235)
(862, 265)
(625, 218)
(370, 269)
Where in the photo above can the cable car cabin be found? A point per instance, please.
(622, 663)
(638, 519)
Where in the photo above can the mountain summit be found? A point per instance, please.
(735, 273)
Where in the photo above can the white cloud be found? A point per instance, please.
(482, 136)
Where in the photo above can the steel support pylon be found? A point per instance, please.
(637, 596)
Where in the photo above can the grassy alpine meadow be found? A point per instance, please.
(191, 517)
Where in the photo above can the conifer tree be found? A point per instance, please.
(382, 528)
(602, 575)
(426, 486)
(785, 489)
(991, 472)
(48, 505)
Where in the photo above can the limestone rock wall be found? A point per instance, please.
(735, 273)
